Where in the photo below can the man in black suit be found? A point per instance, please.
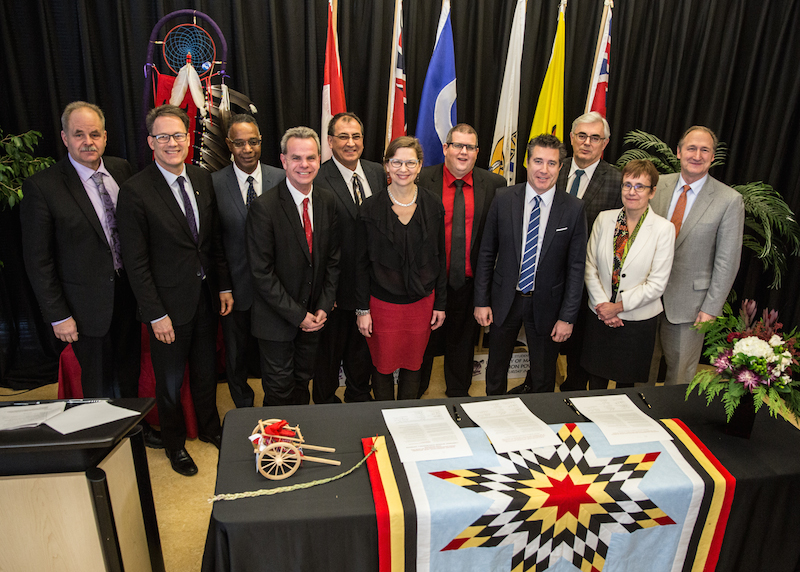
(351, 179)
(172, 248)
(599, 185)
(530, 268)
(236, 186)
(466, 193)
(293, 250)
(71, 250)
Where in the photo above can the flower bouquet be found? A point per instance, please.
(750, 357)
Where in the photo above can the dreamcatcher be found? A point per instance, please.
(194, 79)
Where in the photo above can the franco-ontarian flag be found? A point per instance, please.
(503, 160)
(583, 504)
(549, 116)
(437, 108)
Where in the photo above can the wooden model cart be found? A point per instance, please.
(279, 449)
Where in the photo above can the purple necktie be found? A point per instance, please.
(111, 219)
(187, 207)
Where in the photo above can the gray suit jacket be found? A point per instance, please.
(707, 251)
(347, 212)
(603, 193)
(232, 216)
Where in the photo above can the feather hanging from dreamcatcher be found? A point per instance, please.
(188, 79)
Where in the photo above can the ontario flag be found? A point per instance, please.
(596, 99)
(333, 86)
(396, 110)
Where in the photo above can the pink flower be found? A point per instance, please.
(723, 361)
(749, 379)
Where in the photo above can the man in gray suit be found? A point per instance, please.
(352, 179)
(599, 185)
(709, 221)
(236, 186)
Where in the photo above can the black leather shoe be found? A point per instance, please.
(152, 438)
(215, 440)
(181, 462)
(524, 388)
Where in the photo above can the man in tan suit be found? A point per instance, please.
(709, 221)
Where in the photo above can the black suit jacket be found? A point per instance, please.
(484, 184)
(603, 193)
(164, 264)
(66, 252)
(232, 217)
(559, 275)
(287, 280)
(347, 213)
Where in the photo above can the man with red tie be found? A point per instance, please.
(293, 251)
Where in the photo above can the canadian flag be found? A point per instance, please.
(333, 86)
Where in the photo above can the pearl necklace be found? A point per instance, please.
(398, 203)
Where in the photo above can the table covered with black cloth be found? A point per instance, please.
(333, 526)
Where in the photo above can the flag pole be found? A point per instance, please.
(392, 79)
(600, 33)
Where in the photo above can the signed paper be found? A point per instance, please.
(425, 433)
(510, 425)
(21, 416)
(620, 420)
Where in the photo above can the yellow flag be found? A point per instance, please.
(549, 116)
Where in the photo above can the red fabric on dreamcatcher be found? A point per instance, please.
(164, 85)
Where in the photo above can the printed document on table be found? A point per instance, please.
(425, 433)
(88, 415)
(620, 420)
(21, 416)
(510, 425)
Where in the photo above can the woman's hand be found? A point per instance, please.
(364, 324)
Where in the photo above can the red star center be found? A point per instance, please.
(567, 496)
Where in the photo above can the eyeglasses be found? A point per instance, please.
(639, 188)
(460, 146)
(397, 163)
(344, 137)
(163, 138)
(240, 143)
(594, 139)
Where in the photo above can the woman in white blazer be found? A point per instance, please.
(628, 262)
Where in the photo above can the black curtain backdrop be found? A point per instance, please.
(730, 65)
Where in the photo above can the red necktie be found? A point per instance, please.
(307, 225)
(680, 208)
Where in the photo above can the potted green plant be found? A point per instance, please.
(17, 163)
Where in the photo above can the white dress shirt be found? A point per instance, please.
(347, 175)
(691, 196)
(588, 173)
(298, 199)
(241, 177)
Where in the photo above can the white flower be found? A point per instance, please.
(775, 341)
(753, 346)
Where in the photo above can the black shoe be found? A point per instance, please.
(215, 440)
(181, 462)
(152, 438)
(524, 388)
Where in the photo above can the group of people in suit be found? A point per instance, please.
(375, 267)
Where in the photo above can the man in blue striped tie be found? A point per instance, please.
(530, 269)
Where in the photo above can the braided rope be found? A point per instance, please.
(297, 487)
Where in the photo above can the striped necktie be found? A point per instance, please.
(528, 271)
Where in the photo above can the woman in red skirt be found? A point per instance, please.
(402, 278)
